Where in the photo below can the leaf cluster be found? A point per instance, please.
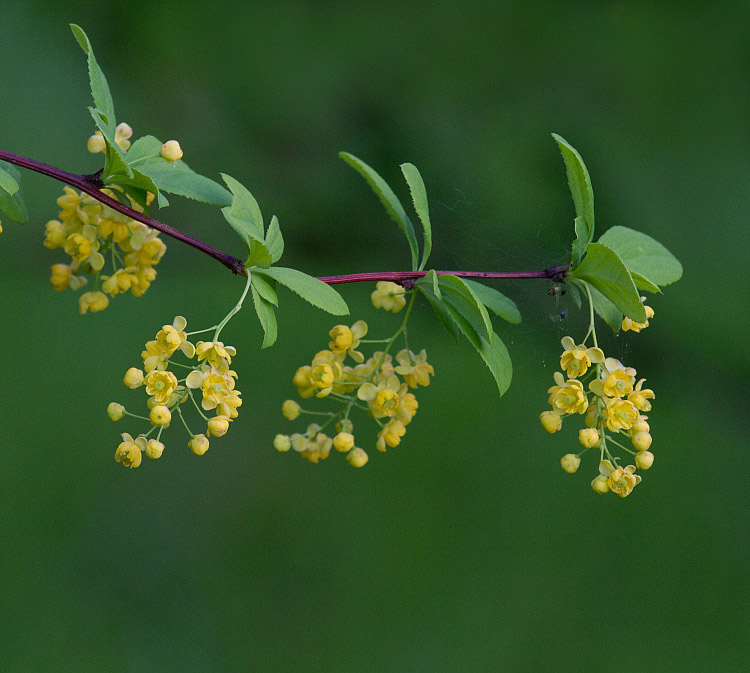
(622, 263)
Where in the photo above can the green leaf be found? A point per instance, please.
(582, 193)
(429, 288)
(456, 291)
(575, 292)
(258, 254)
(581, 242)
(643, 255)
(178, 178)
(99, 87)
(312, 290)
(419, 198)
(426, 287)
(265, 288)
(115, 159)
(389, 200)
(141, 183)
(496, 301)
(266, 316)
(497, 359)
(244, 210)
(494, 354)
(643, 283)
(274, 240)
(12, 205)
(7, 182)
(146, 147)
(606, 310)
(605, 271)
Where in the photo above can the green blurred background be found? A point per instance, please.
(466, 548)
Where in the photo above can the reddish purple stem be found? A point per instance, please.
(92, 185)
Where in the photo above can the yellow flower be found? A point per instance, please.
(357, 458)
(567, 397)
(218, 426)
(60, 277)
(640, 397)
(199, 444)
(160, 385)
(384, 398)
(407, 407)
(551, 421)
(154, 449)
(621, 414)
(388, 296)
(282, 443)
(92, 301)
(54, 234)
(96, 143)
(115, 411)
(588, 437)
(644, 460)
(570, 462)
(122, 281)
(343, 442)
(576, 360)
(325, 370)
(391, 433)
(302, 383)
(160, 415)
(214, 351)
(414, 368)
(641, 441)
(129, 451)
(631, 325)
(346, 339)
(621, 480)
(616, 381)
(290, 409)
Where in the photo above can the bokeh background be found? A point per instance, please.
(466, 548)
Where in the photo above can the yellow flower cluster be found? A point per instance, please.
(380, 386)
(212, 377)
(92, 233)
(612, 402)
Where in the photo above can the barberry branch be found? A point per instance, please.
(92, 185)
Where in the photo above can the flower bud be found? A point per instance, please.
(290, 409)
(92, 301)
(133, 378)
(218, 426)
(641, 441)
(551, 421)
(588, 437)
(357, 458)
(60, 277)
(600, 484)
(154, 449)
(171, 151)
(160, 415)
(343, 442)
(282, 443)
(199, 444)
(115, 411)
(570, 462)
(641, 425)
(644, 460)
(345, 425)
(96, 143)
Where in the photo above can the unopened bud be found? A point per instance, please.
(171, 151)
(115, 411)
